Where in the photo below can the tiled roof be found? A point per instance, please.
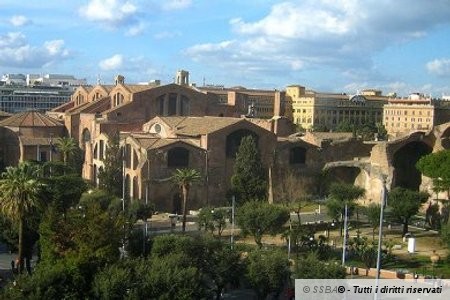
(30, 141)
(99, 105)
(64, 107)
(152, 142)
(199, 125)
(135, 88)
(30, 119)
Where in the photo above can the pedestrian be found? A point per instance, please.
(13, 265)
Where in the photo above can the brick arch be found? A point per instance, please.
(404, 159)
(234, 139)
(348, 174)
(445, 137)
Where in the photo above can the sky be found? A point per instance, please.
(398, 46)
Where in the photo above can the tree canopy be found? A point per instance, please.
(184, 178)
(249, 180)
(404, 204)
(20, 190)
(437, 167)
(110, 176)
(342, 194)
(258, 218)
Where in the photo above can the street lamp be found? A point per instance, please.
(344, 243)
(380, 233)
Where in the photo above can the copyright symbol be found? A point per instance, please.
(306, 289)
(341, 289)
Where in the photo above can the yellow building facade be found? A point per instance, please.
(327, 110)
(402, 115)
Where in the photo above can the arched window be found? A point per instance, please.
(172, 104)
(297, 155)
(86, 136)
(178, 157)
(160, 101)
(234, 141)
(135, 160)
(185, 106)
(135, 188)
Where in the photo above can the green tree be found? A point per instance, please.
(319, 128)
(267, 271)
(110, 176)
(437, 167)
(342, 194)
(249, 181)
(184, 178)
(372, 212)
(67, 146)
(258, 218)
(311, 267)
(213, 219)
(345, 126)
(64, 191)
(405, 203)
(20, 196)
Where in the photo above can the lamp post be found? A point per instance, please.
(344, 243)
(380, 234)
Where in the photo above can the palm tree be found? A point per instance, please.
(19, 196)
(184, 178)
(67, 146)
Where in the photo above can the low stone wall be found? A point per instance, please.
(389, 274)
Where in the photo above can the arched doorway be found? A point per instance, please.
(176, 204)
(404, 162)
(234, 141)
(445, 139)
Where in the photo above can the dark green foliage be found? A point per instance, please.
(249, 180)
(89, 232)
(373, 212)
(433, 216)
(212, 219)
(437, 166)
(404, 204)
(258, 218)
(64, 191)
(138, 210)
(366, 132)
(179, 267)
(311, 267)
(58, 280)
(267, 271)
(110, 176)
(118, 281)
(319, 128)
(341, 194)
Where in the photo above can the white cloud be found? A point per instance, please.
(114, 62)
(19, 20)
(136, 29)
(110, 13)
(341, 34)
(16, 52)
(440, 67)
(176, 4)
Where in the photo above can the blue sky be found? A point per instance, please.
(398, 46)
